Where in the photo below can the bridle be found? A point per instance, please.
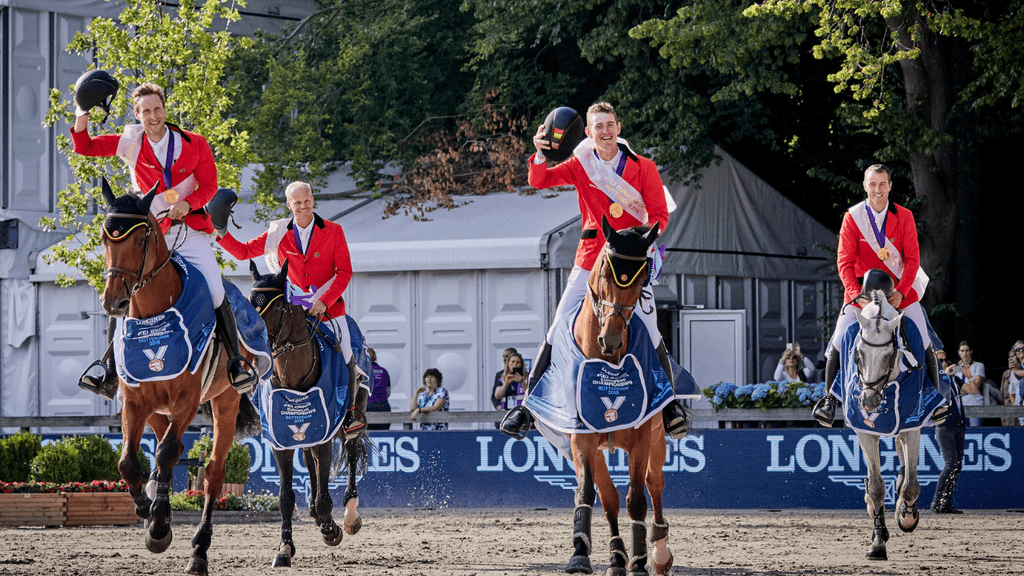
(118, 236)
(894, 358)
(286, 316)
(616, 309)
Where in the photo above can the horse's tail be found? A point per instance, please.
(247, 424)
(357, 450)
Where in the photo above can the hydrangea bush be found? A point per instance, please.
(764, 396)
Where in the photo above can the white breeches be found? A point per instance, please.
(576, 290)
(194, 246)
(849, 316)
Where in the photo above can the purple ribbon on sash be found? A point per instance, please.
(304, 300)
(620, 167)
(879, 234)
(298, 239)
(170, 159)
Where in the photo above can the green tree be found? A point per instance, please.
(179, 51)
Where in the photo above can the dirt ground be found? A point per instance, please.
(406, 542)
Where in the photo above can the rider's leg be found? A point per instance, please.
(355, 417)
(517, 421)
(673, 415)
(825, 410)
(107, 384)
(195, 247)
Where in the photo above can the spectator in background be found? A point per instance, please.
(380, 390)
(950, 437)
(510, 383)
(430, 397)
(1010, 386)
(805, 368)
(792, 368)
(504, 364)
(971, 376)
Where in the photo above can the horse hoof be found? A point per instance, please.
(282, 561)
(877, 553)
(616, 571)
(579, 565)
(198, 566)
(159, 544)
(353, 528)
(332, 537)
(661, 569)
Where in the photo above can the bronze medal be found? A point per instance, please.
(615, 210)
(171, 195)
(883, 253)
(869, 423)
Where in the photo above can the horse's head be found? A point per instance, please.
(875, 353)
(269, 297)
(287, 329)
(615, 284)
(128, 244)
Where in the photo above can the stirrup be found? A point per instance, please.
(354, 423)
(105, 386)
(940, 415)
(825, 411)
(248, 376)
(516, 423)
(675, 420)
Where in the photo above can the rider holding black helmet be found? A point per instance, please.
(878, 249)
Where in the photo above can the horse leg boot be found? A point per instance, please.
(825, 410)
(355, 417)
(581, 521)
(879, 537)
(517, 421)
(243, 378)
(932, 361)
(673, 414)
(107, 384)
(638, 561)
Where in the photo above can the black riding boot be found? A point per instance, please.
(243, 378)
(107, 384)
(517, 421)
(825, 410)
(673, 415)
(355, 418)
(932, 363)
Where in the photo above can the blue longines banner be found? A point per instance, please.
(782, 468)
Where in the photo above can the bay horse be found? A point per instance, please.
(876, 356)
(601, 331)
(140, 284)
(297, 366)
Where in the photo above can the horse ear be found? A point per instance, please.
(282, 276)
(108, 194)
(652, 234)
(892, 325)
(148, 198)
(607, 228)
(864, 322)
(253, 270)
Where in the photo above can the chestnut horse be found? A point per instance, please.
(297, 367)
(601, 331)
(140, 284)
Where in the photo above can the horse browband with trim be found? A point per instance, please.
(609, 254)
(120, 232)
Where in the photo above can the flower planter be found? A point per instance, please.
(235, 489)
(100, 509)
(32, 509)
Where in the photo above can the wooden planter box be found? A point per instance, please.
(196, 484)
(32, 509)
(100, 509)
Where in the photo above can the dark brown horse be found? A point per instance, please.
(141, 284)
(601, 331)
(297, 366)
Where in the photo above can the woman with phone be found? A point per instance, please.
(509, 389)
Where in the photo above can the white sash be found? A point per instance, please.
(613, 185)
(894, 262)
(275, 233)
(128, 148)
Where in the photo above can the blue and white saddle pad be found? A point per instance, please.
(908, 402)
(164, 346)
(580, 395)
(292, 419)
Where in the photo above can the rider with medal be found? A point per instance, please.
(319, 271)
(612, 182)
(180, 165)
(877, 234)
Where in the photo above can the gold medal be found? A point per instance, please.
(883, 253)
(615, 210)
(171, 195)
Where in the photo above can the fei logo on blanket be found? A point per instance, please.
(156, 359)
(299, 431)
(612, 412)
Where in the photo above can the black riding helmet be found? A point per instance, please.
(876, 279)
(565, 128)
(96, 88)
(219, 208)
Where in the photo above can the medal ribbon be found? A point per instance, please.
(879, 234)
(170, 159)
(298, 239)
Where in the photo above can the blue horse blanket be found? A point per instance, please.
(164, 346)
(579, 395)
(907, 403)
(292, 419)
